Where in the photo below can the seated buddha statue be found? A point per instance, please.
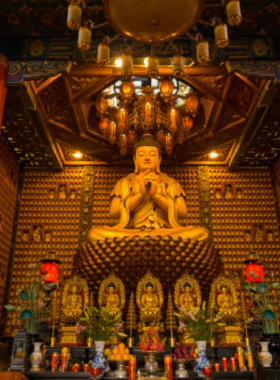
(186, 299)
(150, 300)
(225, 301)
(112, 300)
(148, 202)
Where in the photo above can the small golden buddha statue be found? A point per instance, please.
(112, 299)
(148, 202)
(149, 298)
(37, 236)
(111, 294)
(186, 299)
(225, 301)
(73, 306)
(75, 298)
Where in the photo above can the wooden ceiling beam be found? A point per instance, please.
(92, 90)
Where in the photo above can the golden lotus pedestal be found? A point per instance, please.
(231, 336)
(131, 257)
(68, 336)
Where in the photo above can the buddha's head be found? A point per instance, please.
(147, 155)
(75, 289)
(149, 287)
(187, 287)
(224, 289)
(111, 288)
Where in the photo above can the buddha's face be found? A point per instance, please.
(149, 289)
(74, 289)
(224, 289)
(187, 289)
(147, 158)
(111, 289)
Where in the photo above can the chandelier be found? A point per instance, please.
(166, 108)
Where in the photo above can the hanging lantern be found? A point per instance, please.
(127, 64)
(160, 136)
(103, 53)
(192, 104)
(127, 89)
(50, 268)
(254, 268)
(221, 35)
(166, 88)
(74, 16)
(234, 17)
(123, 144)
(168, 143)
(84, 38)
(113, 133)
(104, 126)
(131, 138)
(153, 67)
(177, 65)
(101, 105)
(187, 123)
(172, 120)
(202, 52)
(121, 119)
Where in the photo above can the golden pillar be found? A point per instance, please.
(3, 86)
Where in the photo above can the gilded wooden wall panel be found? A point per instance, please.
(49, 216)
(56, 210)
(9, 176)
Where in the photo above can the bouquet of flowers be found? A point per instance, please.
(101, 325)
(151, 341)
(197, 322)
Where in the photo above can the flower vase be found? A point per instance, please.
(99, 360)
(201, 361)
(36, 357)
(265, 356)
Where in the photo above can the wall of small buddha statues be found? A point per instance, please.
(9, 176)
(57, 208)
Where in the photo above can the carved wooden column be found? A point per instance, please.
(3, 86)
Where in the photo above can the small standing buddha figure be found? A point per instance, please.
(225, 301)
(37, 235)
(75, 298)
(186, 299)
(73, 307)
(112, 299)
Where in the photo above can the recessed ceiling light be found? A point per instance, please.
(78, 155)
(213, 154)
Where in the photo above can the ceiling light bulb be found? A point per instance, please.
(213, 154)
(77, 155)
(118, 62)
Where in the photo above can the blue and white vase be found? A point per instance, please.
(201, 361)
(99, 360)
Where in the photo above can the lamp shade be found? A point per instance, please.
(202, 52)
(52, 271)
(166, 88)
(254, 272)
(221, 35)
(234, 17)
(84, 38)
(74, 16)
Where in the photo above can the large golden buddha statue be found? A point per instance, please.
(148, 202)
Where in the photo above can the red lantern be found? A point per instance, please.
(187, 123)
(127, 89)
(166, 88)
(192, 104)
(50, 268)
(104, 126)
(254, 272)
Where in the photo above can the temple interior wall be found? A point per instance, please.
(57, 208)
(9, 177)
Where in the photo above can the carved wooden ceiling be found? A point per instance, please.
(47, 120)
(62, 114)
